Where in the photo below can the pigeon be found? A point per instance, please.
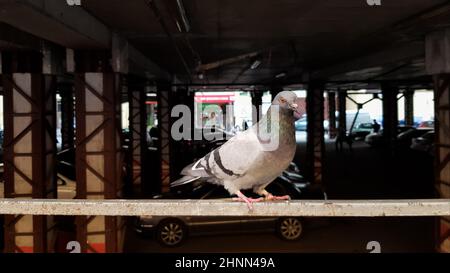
(251, 160)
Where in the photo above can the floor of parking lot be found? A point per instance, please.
(364, 173)
(330, 236)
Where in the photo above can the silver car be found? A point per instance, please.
(173, 231)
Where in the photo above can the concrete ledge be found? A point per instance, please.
(363, 208)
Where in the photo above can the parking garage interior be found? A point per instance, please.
(87, 94)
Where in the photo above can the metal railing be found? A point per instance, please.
(341, 208)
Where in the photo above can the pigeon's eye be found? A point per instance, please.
(282, 100)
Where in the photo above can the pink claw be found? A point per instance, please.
(242, 198)
(278, 198)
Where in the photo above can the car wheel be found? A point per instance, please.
(290, 229)
(171, 232)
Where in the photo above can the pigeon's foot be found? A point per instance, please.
(271, 197)
(242, 198)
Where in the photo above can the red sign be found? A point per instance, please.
(214, 99)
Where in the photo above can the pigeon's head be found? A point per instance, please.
(288, 100)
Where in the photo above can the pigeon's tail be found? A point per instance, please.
(184, 180)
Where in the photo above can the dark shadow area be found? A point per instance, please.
(374, 173)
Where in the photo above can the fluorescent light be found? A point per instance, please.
(281, 75)
(256, 64)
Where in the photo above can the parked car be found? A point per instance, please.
(173, 231)
(363, 117)
(378, 139)
(417, 121)
(424, 143)
(361, 131)
(427, 124)
(404, 140)
(301, 125)
(375, 139)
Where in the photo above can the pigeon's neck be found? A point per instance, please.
(279, 126)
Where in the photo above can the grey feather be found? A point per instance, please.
(185, 180)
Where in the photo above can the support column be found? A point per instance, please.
(164, 126)
(67, 115)
(437, 64)
(29, 157)
(442, 99)
(257, 103)
(316, 139)
(390, 115)
(332, 114)
(275, 90)
(98, 157)
(409, 107)
(138, 135)
(342, 105)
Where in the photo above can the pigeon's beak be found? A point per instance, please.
(294, 107)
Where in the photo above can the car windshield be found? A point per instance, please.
(365, 126)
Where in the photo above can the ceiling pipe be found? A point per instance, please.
(218, 64)
(159, 18)
(182, 11)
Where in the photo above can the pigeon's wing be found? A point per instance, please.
(184, 180)
(231, 161)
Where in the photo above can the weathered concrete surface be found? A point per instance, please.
(366, 208)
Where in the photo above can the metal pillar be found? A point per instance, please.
(342, 105)
(316, 140)
(390, 115)
(275, 90)
(29, 157)
(138, 134)
(164, 124)
(442, 99)
(98, 157)
(409, 107)
(257, 103)
(67, 115)
(332, 114)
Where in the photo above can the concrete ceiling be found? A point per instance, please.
(334, 40)
(292, 36)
